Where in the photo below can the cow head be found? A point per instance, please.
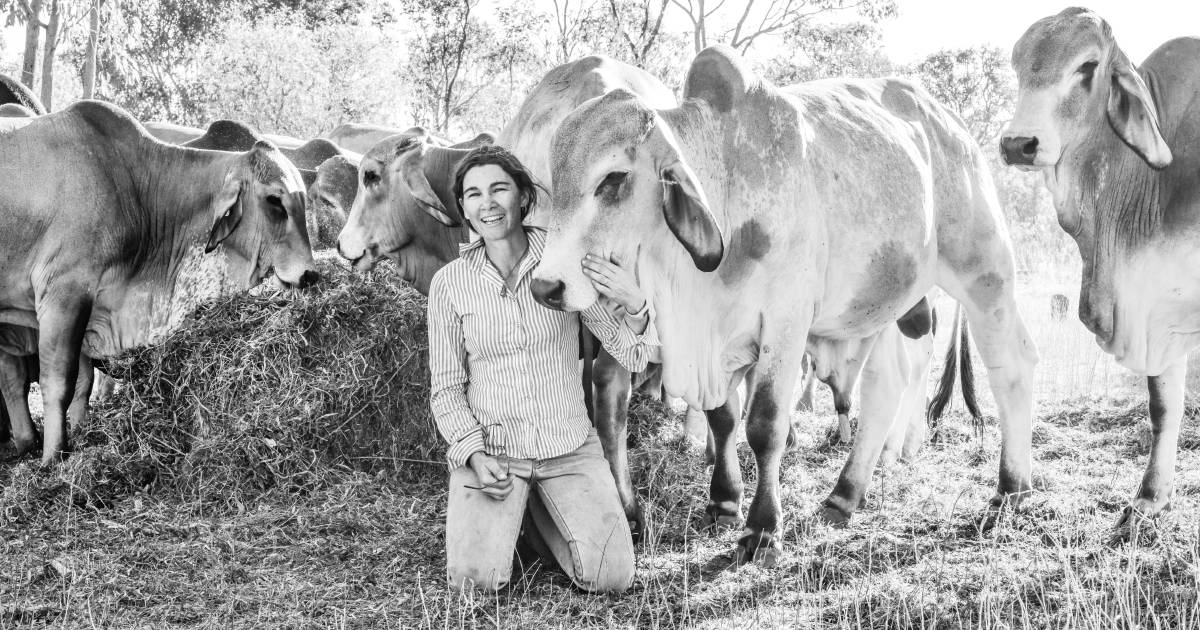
(330, 198)
(1074, 83)
(619, 177)
(259, 217)
(404, 209)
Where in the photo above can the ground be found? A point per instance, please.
(366, 551)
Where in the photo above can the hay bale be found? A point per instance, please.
(273, 392)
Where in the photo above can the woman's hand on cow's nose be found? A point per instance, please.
(614, 282)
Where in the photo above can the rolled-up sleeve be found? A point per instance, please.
(632, 350)
(448, 377)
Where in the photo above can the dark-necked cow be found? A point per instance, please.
(324, 216)
(109, 238)
(758, 217)
(1119, 150)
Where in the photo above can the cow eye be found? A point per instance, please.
(1088, 70)
(370, 178)
(275, 204)
(611, 185)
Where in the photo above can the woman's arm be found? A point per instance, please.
(632, 339)
(448, 377)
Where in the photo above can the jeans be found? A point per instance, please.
(575, 509)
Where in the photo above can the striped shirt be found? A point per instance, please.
(505, 372)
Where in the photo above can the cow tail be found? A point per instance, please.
(968, 377)
(945, 389)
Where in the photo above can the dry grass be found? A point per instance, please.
(286, 498)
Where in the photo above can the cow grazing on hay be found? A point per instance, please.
(109, 237)
(758, 217)
(1119, 149)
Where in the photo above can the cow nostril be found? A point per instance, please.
(549, 293)
(309, 278)
(1019, 150)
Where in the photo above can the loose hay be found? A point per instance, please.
(261, 393)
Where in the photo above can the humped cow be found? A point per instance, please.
(360, 137)
(1119, 150)
(757, 218)
(324, 216)
(110, 247)
(15, 92)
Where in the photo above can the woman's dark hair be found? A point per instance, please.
(502, 157)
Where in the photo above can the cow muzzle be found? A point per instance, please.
(549, 293)
(1019, 150)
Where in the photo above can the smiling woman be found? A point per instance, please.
(507, 395)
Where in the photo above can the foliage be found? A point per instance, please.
(740, 25)
(281, 76)
(820, 50)
(978, 83)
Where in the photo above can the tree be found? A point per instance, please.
(830, 50)
(33, 32)
(638, 25)
(977, 83)
(93, 43)
(753, 19)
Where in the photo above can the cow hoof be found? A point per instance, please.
(1131, 521)
(22, 449)
(793, 440)
(637, 525)
(832, 516)
(760, 548)
(716, 520)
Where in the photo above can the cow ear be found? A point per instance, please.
(719, 76)
(227, 207)
(1132, 114)
(412, 168)
(686, 211)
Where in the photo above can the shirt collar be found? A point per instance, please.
(476, 256)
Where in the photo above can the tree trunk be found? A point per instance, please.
(33, 33)
(48, 56)
(89, 61)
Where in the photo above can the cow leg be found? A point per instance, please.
(104, 386)
(909, 430)
(60, 340)
(613, 383)
(1158, 482)
(1009, 354)
(14, 384)
(767, 424)
(78, 410)
(724, 509)
(808, 387)
(884, 378)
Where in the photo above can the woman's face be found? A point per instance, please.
(491, 202)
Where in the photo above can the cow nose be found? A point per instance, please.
(1019, 149)
(549, 293)
(309, 278)
(1097, 316)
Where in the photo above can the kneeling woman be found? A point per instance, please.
(507, 394)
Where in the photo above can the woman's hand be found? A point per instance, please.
(614, 282)
(493, 475)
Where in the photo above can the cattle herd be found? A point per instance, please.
(781, 234)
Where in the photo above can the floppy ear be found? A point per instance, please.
(1132, 114)
(227, 207)
(719, 76)
(413, 171)
(686, 211)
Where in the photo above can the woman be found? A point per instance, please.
(506, 393)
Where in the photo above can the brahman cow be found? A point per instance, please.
(109, 237)
(324, 217)
(17, 93)
(172, 133)
(13, 110)
(757, 218)
(360, 137)
(1119, 150)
